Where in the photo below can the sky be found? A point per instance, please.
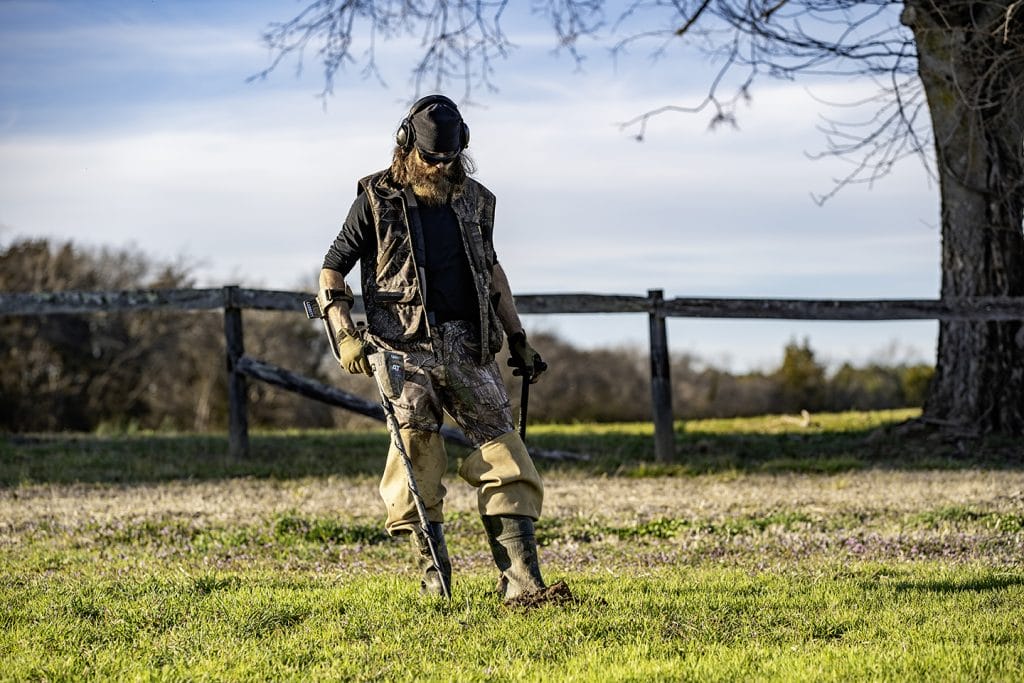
(132, 124)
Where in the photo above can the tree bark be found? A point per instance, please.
(971, 62)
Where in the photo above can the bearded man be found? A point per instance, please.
(434, 291)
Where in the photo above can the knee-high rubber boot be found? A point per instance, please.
(514, 547)
(430, 584)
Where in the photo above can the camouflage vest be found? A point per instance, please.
(391, 288)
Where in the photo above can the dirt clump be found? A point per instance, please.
(555, 594)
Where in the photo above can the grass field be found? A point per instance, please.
(775, 549)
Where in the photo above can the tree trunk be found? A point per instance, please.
(971, 62)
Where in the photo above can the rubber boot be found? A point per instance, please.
(514, 547)
(430, 584)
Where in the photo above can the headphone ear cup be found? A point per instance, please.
(404, 135)
(465, 135)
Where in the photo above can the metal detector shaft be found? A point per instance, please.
(382, 362)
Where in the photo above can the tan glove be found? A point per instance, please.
(524, 358)
(352, 351)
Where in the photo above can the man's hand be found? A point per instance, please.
(524, 358)
(352, 351)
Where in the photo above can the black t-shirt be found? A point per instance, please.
(450, 291)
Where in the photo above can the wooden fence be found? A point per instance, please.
(233, 300)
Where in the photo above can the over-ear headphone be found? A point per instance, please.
(406, 135)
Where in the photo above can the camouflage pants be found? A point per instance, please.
(449, 379)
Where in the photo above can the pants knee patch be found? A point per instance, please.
(505, 477)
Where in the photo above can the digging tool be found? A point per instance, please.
(528, 374)
(524, 403)
(389, 375)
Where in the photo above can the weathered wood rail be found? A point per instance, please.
(233, 300)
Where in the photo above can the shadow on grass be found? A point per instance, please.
(617, 452)
(157, 457)
(973, 585)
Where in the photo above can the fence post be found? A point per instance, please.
(238, 419)
(661, 386)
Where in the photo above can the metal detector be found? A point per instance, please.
(389, 375)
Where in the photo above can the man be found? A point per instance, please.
(434, 291)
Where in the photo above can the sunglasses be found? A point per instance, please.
(435, 159)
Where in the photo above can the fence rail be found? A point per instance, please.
(977, 308)
(233, 300)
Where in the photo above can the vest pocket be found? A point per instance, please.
(398, 314)
(403, 296)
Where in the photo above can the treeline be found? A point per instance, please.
(140, 369)
(609, 385)
(165, 370)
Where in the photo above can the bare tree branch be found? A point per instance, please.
(692, 20)
(462, 41)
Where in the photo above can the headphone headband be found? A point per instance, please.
(424, 102)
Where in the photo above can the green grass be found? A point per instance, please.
(776, 549)
(818, 622)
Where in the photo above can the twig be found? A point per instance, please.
(773, 9)
(692, 20)
(1006, 22)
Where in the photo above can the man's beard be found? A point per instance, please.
(432, 185)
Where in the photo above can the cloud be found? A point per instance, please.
(721, 206)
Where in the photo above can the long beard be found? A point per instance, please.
(432, 185)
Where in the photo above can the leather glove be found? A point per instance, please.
(353, 355)
(526, 361)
